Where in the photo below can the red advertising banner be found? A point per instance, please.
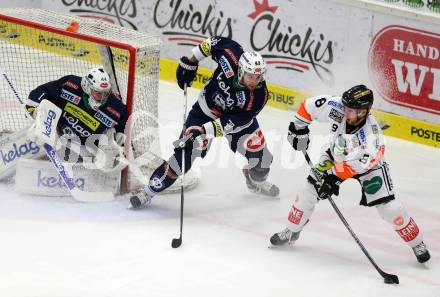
(404, 65)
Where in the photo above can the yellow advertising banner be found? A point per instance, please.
(279, 97)
(409, 129)
(290, 99)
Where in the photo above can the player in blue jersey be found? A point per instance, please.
(89, 110)
(88, 105)
(227, 106)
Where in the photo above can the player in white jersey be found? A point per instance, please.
(355, 150)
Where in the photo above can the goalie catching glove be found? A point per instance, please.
(110, 154)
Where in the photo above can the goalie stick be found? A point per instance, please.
(76, 193)
(387, 278)
(47, 118)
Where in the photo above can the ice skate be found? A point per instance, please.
(265, 188)
(139, 199)
(283, 237)
(421, 253)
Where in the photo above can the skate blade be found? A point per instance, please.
(265, 195)
(286, 246)
(131, 207)
(427, 264)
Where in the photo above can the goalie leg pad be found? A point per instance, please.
(39, 177)
(395, 213)
(16, 146)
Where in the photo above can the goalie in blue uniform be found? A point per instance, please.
(91, 125)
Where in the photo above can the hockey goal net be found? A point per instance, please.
(38, 46)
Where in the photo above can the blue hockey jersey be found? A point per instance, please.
(223, 97)
(77, 115)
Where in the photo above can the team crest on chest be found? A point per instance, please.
(241, 99)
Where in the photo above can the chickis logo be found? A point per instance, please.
(189, 24)
(286, 49)
(121, 12)
(404, 65)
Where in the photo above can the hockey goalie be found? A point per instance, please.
(89, 137)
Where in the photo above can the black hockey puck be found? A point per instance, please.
(391, 280)
(176, 242)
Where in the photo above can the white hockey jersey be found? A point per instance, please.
(354, 153)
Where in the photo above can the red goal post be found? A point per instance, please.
(38, 46)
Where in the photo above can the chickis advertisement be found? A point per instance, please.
(324, 47)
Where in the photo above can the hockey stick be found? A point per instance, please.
(46, 125)
(77, 194)
(387, 278)
(74, 191)
(176, 242)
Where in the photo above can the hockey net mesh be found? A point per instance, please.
(36, 48)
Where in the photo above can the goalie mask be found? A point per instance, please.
(251, 69)
(96, 84)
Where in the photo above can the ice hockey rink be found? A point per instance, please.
(58, 247)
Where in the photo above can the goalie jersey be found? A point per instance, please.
(223, 97)
(78, 117)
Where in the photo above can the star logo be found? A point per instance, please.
(262, 7)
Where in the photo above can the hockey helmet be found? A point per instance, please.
(358, 97)
(96, 80)
(253, 63)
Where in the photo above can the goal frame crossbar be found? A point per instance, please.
(102, 41)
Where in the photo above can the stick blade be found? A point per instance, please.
(390, 279)
(176, 242)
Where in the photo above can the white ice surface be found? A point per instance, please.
(58, 247)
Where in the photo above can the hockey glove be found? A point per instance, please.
(329, 186)
(186, 72)
(110, 153)
(120, 138)
(298, 138)
(192, 134)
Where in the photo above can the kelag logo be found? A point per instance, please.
(282, 47)
(56, 181)
(404, 65)
(187, 24)
(51, 115)
(18, 151)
